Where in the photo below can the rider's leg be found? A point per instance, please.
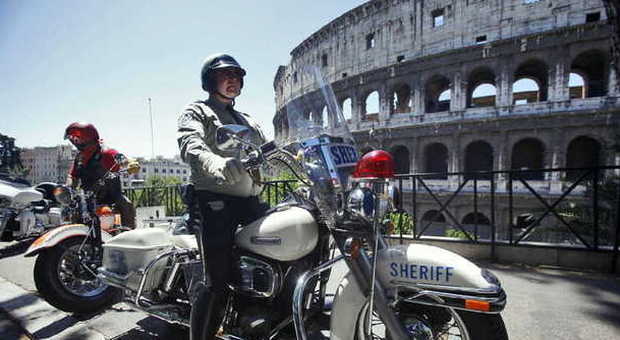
(127, 210)
(216, 234)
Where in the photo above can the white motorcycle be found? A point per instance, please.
(283, 260)
(26, 211)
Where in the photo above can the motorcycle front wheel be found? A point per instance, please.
(64, 280)
(429, 322)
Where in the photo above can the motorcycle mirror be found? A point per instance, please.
(120, 158)
(229, 137)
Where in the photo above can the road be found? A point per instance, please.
(543, 303)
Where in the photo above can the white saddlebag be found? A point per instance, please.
(126, 256)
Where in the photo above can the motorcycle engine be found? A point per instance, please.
(256, 278)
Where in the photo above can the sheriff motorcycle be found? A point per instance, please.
(68, 256)
(283, 260)
(27, 212)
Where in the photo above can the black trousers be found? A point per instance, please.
(220, 215)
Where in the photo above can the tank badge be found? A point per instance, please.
(266, 240)
(421, 272)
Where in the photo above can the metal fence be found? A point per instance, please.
(575, 208)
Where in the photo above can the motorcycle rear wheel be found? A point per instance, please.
(63, 282)
(429, 322)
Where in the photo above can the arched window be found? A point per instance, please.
(582, 152)
(324, 117)
(576, 86)
(401, 99)
(371, 106)
(435, 87)
(531, 82)
(436, 156)
(478, 157)
(525, 91)
(401, 158)
(528, 154)
(481, 89)
(477, 224)
(347, 109)
(592, 66)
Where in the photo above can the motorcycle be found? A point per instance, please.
(284, 259)
(68, 256)
(26, 211)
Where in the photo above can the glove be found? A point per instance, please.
(133, 167)
(229, 169)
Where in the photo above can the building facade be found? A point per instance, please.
(458, 86)
(160, 167)
(48, 164)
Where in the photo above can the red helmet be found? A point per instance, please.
(82, 134)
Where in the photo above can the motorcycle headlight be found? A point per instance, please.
(63, 195)
(363, 199)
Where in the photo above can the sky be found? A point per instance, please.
(99, 61)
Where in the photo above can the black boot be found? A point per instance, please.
(207, 313)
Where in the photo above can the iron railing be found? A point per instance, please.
(576, 208)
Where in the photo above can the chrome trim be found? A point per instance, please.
(172, 276)
(298, 296)
(145, 273)
(252, 263)
(444, 299)
(493, 290)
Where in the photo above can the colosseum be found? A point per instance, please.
(473, 85)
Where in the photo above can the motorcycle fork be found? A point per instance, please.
(363, 270)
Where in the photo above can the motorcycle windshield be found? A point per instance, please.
(317, 128)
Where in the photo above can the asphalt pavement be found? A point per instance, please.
(543, 303)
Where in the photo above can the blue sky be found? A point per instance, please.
(98, 61)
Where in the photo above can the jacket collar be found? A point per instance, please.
(218, 105)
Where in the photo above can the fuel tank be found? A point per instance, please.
(287, 234)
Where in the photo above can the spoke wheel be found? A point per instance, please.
(428, 324)
(65, 277)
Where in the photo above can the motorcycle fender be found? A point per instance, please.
(59, 234)
(415, 265)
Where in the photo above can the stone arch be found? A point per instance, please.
(582, 152)
(527, 154)
(481, 82)
(324, 116)
(536, 71)
(434, 87)
(372, 105)
(476, 218)
(400, 98)
(434, 216)
(478, 157)
(401, 158)
(436, 160)
(592, 66)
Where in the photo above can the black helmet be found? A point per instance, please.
(214, 62)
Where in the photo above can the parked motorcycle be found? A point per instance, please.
(69, 255)
(284, 259)
(26, 211)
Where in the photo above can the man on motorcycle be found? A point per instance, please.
(226, 194)
(92, 164)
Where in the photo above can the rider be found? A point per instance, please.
(93, 162)
(225, 192)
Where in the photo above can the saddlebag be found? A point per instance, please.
(126, 256)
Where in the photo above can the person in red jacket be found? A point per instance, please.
(92, 164)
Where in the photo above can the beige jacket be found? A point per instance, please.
(196, 137)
